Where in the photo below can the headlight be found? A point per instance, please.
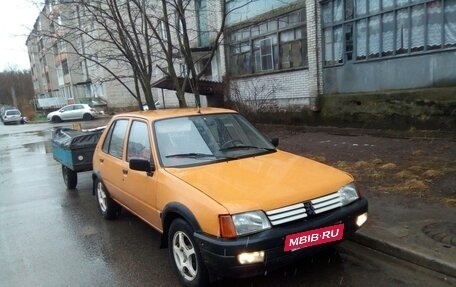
(348, 194)
(250, 222)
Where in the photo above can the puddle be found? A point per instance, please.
(39, 147)
(443, 232)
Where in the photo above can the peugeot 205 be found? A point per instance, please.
(226, 201)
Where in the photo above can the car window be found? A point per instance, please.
(207, 138)
(180, 136)
(12, 112)
(78, 107)
(114, 141)
(67, 108)
(138, 141)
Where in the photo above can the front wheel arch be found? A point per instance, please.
(172, 211)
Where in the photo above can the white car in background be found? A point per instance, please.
(73, 112)
(12, 116)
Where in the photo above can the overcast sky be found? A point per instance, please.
(16, 20)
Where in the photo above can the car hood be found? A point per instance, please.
(263, 182)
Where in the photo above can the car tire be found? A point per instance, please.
(185, 255)
(56, 119)
(87, 117)
(70, 177)
(108, 207)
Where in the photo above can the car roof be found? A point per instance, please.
(75, 105)
(154, 115)
(9, 108)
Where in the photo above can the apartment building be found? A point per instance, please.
(381, 45)
(274, 53)
(60, 72)
(287, 53)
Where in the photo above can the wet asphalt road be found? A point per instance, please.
(50, 236)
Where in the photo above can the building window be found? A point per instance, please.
(183, 70)
(203, 27)
(61, 45)
(65, 69)
(162, 30)
(276, 44)
(357, 30)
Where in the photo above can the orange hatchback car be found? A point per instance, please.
(227, 202)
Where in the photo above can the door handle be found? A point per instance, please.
(125, 171)
(101, 160)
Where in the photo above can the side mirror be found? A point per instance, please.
(275, 142)
(142, 165)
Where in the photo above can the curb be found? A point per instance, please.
(404, 253)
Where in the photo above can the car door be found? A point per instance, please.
(66, 112)
(140, 188)
(76, 113)
(111, 159)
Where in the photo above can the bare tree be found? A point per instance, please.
(255, 97)
(144, 35)
(16, 88)
(108, 34)
(177, 33)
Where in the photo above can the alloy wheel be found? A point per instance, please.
(185, 256)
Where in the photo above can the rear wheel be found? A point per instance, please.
(87, 117)
(108, 207)
(70, 177)
(185, 255)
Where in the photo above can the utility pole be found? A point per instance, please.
(13, 96)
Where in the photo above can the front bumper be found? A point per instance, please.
(220, 254)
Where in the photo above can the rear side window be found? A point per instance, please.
(114, 141)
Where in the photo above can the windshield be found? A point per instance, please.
(13, 113)
(203, 139)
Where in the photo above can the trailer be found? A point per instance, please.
(73, 149)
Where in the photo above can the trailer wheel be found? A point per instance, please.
(70, 177)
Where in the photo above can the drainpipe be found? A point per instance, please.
(315, 106)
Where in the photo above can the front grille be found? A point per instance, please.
(298, 211)
(326, 203)
(287, 214)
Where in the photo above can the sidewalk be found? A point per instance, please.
(424, 234)
(416, 223)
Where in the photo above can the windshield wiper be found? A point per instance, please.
(246, 147)
(190, 155)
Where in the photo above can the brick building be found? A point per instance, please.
(284, 53)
